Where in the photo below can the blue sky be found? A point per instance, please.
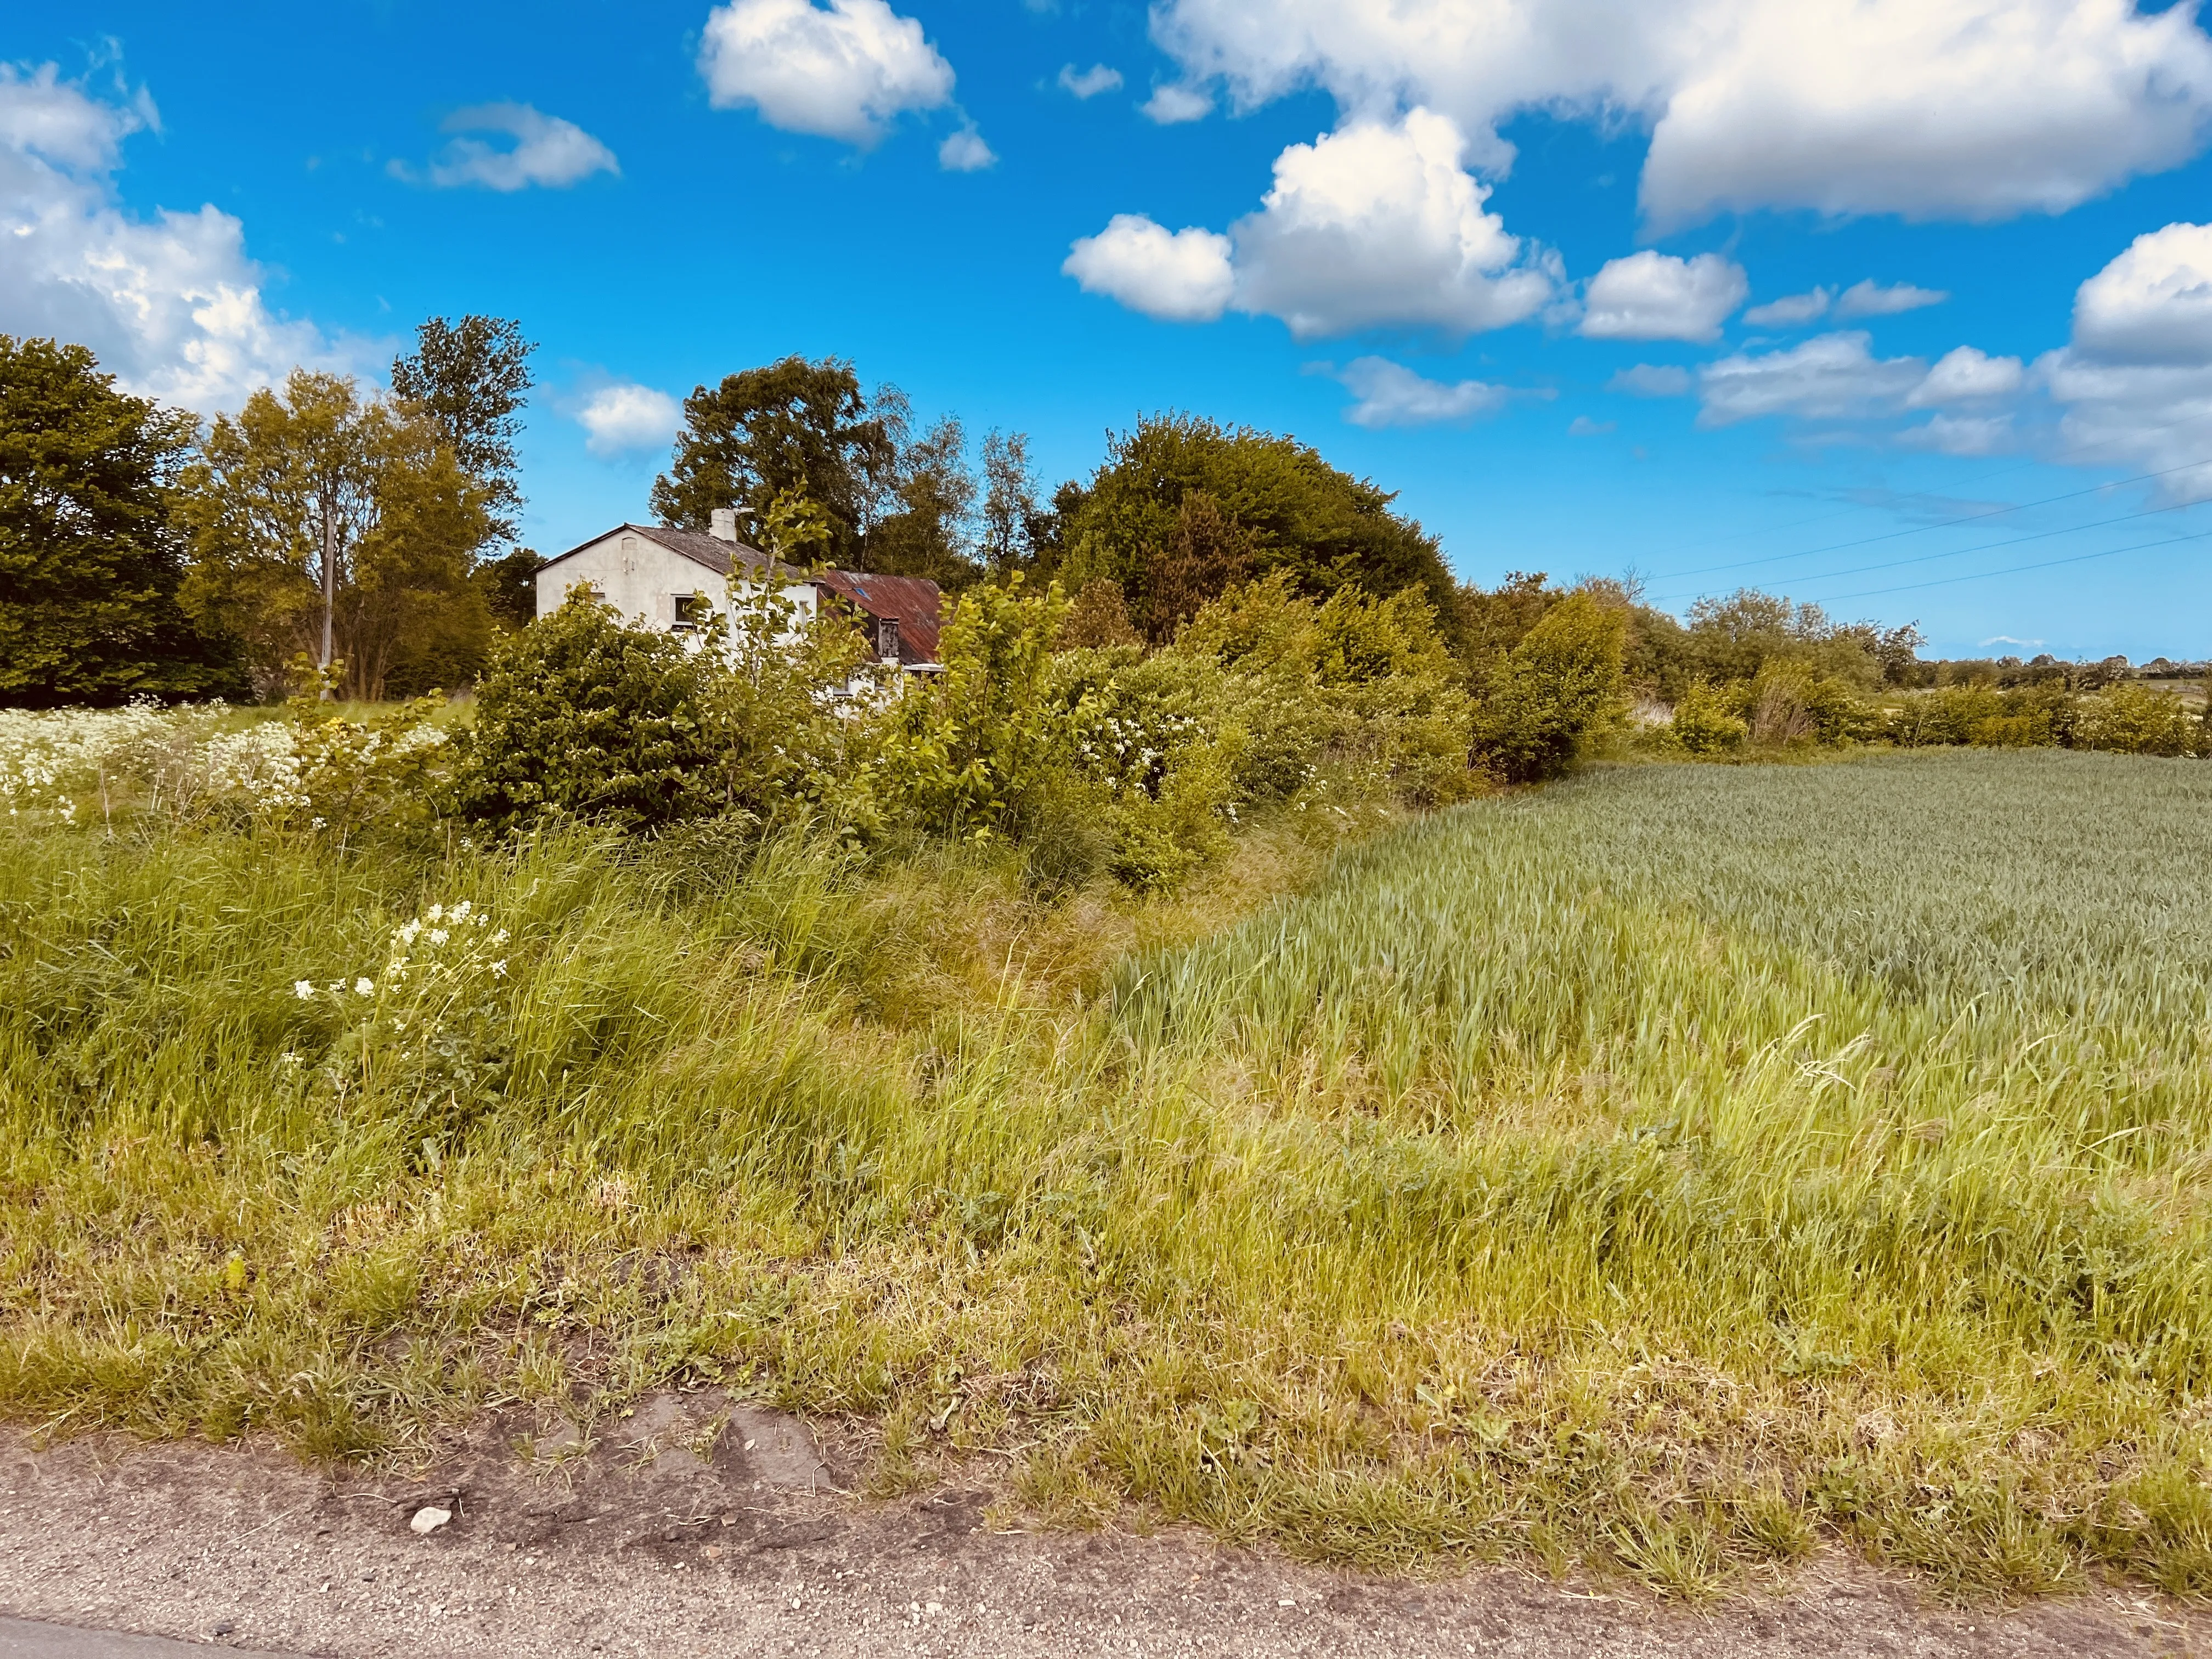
(1509, 258)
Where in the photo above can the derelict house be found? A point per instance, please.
(675, 579)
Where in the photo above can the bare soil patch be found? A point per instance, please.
(702, 1525)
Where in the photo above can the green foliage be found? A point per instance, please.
(963, 756)
(471, 380)
(1557, 690)
(90, 564)
(1359, 687)
(1704, 723)
(2128, 719)
(342, 529)
(580, 716)
(793, 427)
(1291, 511)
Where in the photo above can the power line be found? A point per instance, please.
(1984, 547)
(2015, 570)
(1946, 524)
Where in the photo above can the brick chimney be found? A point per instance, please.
(722, 524)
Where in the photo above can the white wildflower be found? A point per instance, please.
(439, 936)
(437, 913)
(366, 988)
(499, 969)
(304, 989)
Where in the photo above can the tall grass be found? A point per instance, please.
(1660, 1172)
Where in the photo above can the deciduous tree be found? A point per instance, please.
(90, 560)
(472, 379)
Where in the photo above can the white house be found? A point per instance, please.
(675, 579)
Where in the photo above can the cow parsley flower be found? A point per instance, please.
(304, 989)
(366, 988)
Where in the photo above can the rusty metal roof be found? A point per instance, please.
(910, 601)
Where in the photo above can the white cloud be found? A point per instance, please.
(1651, 380)
(1867, 298)
(1960, 434)
(1583, 426)
(1656, 296)
(1836, 376)
(172, 305)
(1089, 83)
(1377, 225)
(1791, 311)
(964, 151)
(2153, 303)
(546, 150)
(1390, 394)
(2136, 381)
(1974, 109)
(1172, 105)
(1965, 375)
(627, 417)
(1830, 375)
(1183, 277)
(845, 70)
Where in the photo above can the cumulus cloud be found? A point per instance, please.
(1974, 109)
(1376, 225)
(964, 151)
(1390, 394)
(1172, 105)
(843, 70)
(1656, 296)
(545, 150)
(1791, 311)
(1179, 276)
(1583, 426)
(1089, 83)
(627, 417)
(1651, 380)
(2153, 303)
(2136, 381)
(1869, 299)
(172, 304)
(1967, 375)
(1836, 376)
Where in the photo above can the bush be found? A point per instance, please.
(1555, 692)
(2128, 719)
(581, 714)
(1704, 724)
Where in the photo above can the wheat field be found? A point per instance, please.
(1670, 1173)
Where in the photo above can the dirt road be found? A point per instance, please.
(703, 1528)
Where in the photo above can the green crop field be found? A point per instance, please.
(1663, 1173)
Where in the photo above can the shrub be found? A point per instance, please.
(2129, 719)
(1704, 724)
(1554, 692)
(582, 714)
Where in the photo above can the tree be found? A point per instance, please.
(1207, 553)
(1326, 528)
(1015, 528)
(341, 528)
(792, 427)
(1555, 689)
(471, 379)
(929, 532)
(90, 561)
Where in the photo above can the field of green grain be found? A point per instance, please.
(1666, 1173)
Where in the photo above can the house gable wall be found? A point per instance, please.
(643, 581)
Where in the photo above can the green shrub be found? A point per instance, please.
(581, 714)
(2128, 719)
(1555, 691)
(1704, 723)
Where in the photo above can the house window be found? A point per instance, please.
(887, 639)
(691, 611)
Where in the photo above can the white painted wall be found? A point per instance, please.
(643, 580)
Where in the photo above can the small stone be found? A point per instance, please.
(224, 1627)
(429, 1519)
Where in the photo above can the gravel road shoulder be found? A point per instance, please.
(701, 1526)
